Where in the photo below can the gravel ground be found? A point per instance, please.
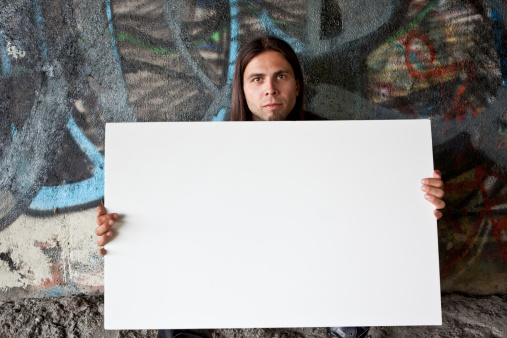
(82, 316)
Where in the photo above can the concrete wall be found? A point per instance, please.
(70, 66)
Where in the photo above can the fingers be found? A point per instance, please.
(434, 191)
(102, 240)
(437, 202)
(104, 228)
(434, 182)
(102, 217)
(101, 210)
(105, 223)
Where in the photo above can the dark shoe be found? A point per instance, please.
(204, 333)
(347, 332)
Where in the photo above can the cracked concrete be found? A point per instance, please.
(83, 316)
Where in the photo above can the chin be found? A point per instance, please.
(270, 116)
(276, 116)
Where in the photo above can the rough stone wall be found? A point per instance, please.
(69, 66)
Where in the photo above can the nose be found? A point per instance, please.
(270, 88)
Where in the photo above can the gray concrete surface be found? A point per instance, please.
(83, 316)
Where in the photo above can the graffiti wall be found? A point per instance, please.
(67, 67)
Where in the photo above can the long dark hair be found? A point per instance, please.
(239, 108)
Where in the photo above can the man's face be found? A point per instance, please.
(270, 87)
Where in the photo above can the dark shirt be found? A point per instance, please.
(308, 116)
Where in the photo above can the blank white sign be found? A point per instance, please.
(270, 224)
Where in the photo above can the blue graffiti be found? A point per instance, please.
(210, 46)
(14, 131)
(59, 290)
(233, 52)
(268, 25)
(92, 189)
(220, 116)
(234, 44)
(39, 21)
(79, 193)
(6, 62)
(111, 32)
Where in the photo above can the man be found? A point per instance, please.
(268, 85)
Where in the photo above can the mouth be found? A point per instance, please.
(272, 105)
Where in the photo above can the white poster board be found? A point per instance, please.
(270, 224)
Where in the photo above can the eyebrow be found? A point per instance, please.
(278, 72)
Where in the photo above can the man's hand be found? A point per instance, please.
(434, 189)
(105, 222)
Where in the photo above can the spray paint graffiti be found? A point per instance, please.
(14, 52)
(157, 60)
(457, 109)
(491, 212)
(441, 68)
(79, 193)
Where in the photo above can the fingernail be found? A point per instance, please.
(109, 234)
(111, 222)
(427, 196)
(115, 216)
(423, 188)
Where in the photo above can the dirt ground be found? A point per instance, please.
(83, 316)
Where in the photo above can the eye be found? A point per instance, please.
(256, 79)
(282, 76)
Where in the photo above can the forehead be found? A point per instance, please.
(267, 62)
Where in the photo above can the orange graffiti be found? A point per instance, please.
(481, 175)
(458, 107)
